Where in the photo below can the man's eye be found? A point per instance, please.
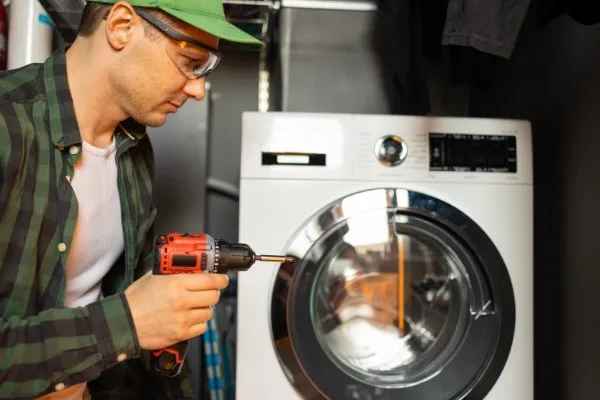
(197, 60)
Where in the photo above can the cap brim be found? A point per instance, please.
(218, 27)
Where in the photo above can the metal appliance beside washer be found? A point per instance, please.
(413, 247)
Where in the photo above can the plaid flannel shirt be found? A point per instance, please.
(45, 346)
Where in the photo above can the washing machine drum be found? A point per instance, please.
(393, 295)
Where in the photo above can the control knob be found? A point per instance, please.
(390, 150)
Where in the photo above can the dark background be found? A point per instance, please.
(552, 79)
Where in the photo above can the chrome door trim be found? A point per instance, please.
(494, 298)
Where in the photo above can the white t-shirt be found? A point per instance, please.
(98, 239)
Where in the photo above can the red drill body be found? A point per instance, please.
(177, 253)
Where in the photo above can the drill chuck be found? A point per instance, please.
(240, 257)
(233, 256)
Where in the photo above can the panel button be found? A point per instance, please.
(390, 150)
(203, 261)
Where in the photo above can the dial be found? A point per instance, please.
(390, 150)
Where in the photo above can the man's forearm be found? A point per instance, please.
(63, 346)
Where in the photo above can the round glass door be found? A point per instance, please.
(393, 293)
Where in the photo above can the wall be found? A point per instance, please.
(234, 90)
(327, 62)
(553, 79)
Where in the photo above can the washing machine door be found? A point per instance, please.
(394, 294)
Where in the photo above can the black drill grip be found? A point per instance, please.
(168, 361)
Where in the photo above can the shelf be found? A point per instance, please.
(253, 3)
(340, 5)
(251, 16)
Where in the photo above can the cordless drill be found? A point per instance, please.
(177, 253)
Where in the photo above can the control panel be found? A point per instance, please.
(326, 146)
(455, 152)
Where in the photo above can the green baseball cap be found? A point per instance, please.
(206, 15)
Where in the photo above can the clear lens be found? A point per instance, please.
(389, 306)
(192, 68)
(206, 68)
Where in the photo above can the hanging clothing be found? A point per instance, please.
(478, 36)
(397, 41)
(490, 26)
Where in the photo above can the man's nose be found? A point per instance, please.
(195, 88)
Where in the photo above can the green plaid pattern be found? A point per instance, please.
(44, 345)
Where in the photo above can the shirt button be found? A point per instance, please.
(74, 149)
(122, 357)
(62, 247)
(59, 386)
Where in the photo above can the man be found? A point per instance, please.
(79, 307)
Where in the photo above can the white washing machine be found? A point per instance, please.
(412, 240)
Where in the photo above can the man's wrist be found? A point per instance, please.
(114, 330)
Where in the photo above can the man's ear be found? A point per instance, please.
(120, 24)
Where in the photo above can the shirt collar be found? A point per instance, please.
(63, 124)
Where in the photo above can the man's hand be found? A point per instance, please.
(167, 309)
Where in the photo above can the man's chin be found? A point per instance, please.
(153, 121)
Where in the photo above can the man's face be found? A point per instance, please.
(154, 77)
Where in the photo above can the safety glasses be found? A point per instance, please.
(201, 64)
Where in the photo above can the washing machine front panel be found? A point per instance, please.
(271, 214)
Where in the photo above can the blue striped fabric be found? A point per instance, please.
(213, 361)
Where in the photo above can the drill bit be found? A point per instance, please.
(281, 259)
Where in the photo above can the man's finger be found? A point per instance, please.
(196, 330)
(204, 281)
(202, 298)
(200, 315)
